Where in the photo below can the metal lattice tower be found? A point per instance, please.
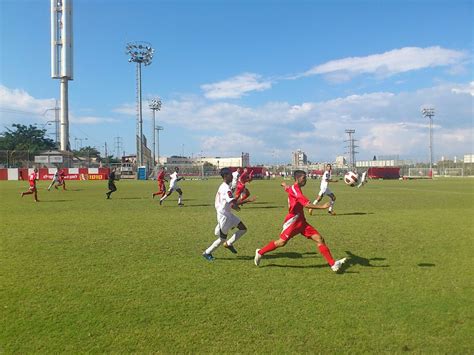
(118, 143)
(351, 148)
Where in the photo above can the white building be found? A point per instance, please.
(340, 161)
(299, 158)
(219, 162)
(468, 158)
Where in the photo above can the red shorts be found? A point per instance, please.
(240, 188)
(295, 226)
(32, 188)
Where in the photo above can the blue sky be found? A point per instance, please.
(264, 77)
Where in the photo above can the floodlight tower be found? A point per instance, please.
(351, 146)
(140, 53)
(158, 129)
(61, 59)
(430, 112)
(155, 105)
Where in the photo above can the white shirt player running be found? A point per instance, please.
(235, 178)
(324, 188)
(174, 181)
(55, 179)
(226, 220)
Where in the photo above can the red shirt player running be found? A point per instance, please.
(241, 191)
(161, 183)
(295, 223)
(61, 180)
(32, 180)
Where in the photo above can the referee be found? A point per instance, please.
(112, 186)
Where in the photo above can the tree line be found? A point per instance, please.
(34, 140)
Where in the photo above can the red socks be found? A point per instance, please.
(324, 250)
(269, 247)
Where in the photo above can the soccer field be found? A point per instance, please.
(80, 273)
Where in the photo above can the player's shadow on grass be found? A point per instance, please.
(355, 214)
(426, 264)
(291, 255)
(57, 201)
(260, 207)
(359, 260)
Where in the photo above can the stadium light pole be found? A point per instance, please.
(430, 112)
(158, 129)
(155, 105)
(140, 53)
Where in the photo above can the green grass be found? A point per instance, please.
(80, 273)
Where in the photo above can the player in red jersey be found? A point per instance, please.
(32, 180)
(241, 192)
(295, 223)
(61, 180)
(161, 183)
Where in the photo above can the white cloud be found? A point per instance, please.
(388, 63)
(385, 123)
(18, 106)
(464, 89)
(236, 86)
(91, 119)
(126, 109)
(229, 144)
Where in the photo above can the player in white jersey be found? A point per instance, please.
(235, 179)
(226, 220)
(363, 180)
(54, 180)
(174, 178)
(325, 190)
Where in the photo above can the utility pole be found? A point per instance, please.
(106, 155)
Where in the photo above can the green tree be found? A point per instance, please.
(87, 152)
(29, 138)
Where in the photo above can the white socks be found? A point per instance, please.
(236, 236)
(331, 204)
(214, 245)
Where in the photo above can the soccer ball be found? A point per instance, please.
(351, 178)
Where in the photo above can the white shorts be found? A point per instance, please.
(225, 222)
(325, 191)
(173, 188)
